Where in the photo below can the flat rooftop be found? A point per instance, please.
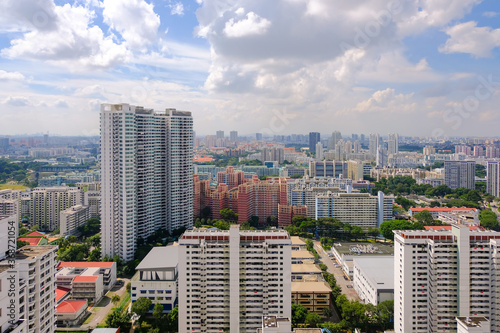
(30, 251)
(305, 268)
(363, 248)
(160, 257)
(379, 270)
(302, 254)
(297, 241)
(320, 287)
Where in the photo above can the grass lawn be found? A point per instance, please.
(12, 187)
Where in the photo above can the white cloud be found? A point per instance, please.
(73, 42)
(469, 38)
(177, 9)
(16, 101)
(61, 104)
(387, 100)
(11, 76)
(490, 14)
(135, 20)
(252, 25)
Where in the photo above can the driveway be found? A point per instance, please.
(345, 285)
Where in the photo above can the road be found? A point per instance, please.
(338, 273)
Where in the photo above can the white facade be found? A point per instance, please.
(146, 175)
(442, 273)
(393, 143)
(230, 279)
(92, 199)
(156, 277)
(361, 209)
(47, 203)
(373, 278)
(73, 218)
(493, 178)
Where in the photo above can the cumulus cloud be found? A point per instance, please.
(177, 9)
(135, 20)
(252, 25)
(387, 100)
(73, 39)
(16, 101)
(61, 104)
(22, 15)
(11, 76)
(469, 38)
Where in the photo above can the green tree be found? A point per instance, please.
(158, 314)
(435, 204)
(141, 307)
(115, 299)
(128, 287)
(424, 217)
(20, 244)
(228, 215)
(387, 227)
(173, 320)
(312, 319)
(117, 318)
(488, 219)
(299, 314)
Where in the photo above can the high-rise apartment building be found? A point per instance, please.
(258, 136)
(334, 139)
(374, 144)
(393, 143)
(493, 178)
(146, 174)
(319, 151)
(229, 279)
(48, 203)
(442, 273)
(219, 135)
(460, 174)
(233, 136)
(361, 209)
(328, 169)
(314, 138)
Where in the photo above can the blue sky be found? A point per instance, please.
(419, 68)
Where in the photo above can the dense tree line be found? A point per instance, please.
(327, 227)
(18, 171)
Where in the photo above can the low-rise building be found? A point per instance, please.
(67, 270)
(156, 277)
(302, 257)
(315, 296)
(306, 272)
(373, 278)
(297, 243)
(71, 313)
(473, 325)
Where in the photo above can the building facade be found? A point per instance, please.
(442, 273)
(229, 279)
(73, 218)
(493, 178)
(146, 174)
(460, 174)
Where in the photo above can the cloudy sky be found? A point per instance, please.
(416, 67)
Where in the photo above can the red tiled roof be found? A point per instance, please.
(31, 240)
(441, 209)
(448, 227)
(35, 234)
(84, 264)
(70, 306)
(85, 278)
(61, 292)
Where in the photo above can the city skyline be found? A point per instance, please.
(284, 67)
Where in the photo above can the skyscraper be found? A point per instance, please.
(442, 273)
(460, 174)
(229, 279)
(493, 178)
(393, 143)
(334, 139)
(220, 134)
(258, 136)
(146, 174)
(233, 136)
(314, 138)
(374, 143)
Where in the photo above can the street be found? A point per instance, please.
(337, 272)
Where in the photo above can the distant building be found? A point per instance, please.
(374, 144)
(92, 199)
(219, 135)
(361, 209)
(156, 277)
(493, 178)
(460, 174)
(393, 143)
(314, 296)
(314, 138)
(286, 213)
(73, 218)
(102, 277)
(233, 136)
(332, 169)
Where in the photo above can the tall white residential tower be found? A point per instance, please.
(146, 174)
